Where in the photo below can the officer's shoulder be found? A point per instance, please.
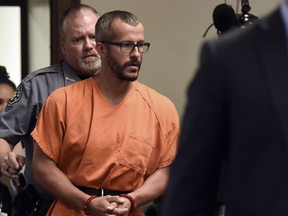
(53, 69)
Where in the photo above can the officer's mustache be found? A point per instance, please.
(90, 53)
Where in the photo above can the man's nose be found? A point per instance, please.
(89, 44)
(135, 52)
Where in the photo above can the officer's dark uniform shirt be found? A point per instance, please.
(19, 117)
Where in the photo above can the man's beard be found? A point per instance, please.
(90, 65)
(119, 69)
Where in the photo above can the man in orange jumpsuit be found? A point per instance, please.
(108, 135)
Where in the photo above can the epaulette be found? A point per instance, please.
(51, 69)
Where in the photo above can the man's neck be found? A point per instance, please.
(112, 88)
(82, 76)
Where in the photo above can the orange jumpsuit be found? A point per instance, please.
(100, 146)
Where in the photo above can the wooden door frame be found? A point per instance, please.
(56, 9)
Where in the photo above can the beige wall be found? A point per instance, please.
(10, 45)
(38, 34)
(174, 29)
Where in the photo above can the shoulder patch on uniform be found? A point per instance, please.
(16, 97)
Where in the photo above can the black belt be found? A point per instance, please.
(100, 192)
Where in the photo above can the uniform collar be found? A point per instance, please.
(69, 75)
(284, 14)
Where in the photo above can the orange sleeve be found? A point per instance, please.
(50, 126)
(171, 139)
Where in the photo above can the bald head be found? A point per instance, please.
(74, 11)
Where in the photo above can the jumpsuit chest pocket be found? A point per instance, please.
(136, 153)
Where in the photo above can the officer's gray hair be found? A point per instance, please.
(103, 30)
(73, 10)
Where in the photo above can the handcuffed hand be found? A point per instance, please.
(108, 206)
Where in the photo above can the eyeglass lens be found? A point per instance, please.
(129, 47)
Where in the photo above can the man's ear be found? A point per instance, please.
(62, 46)
(101, 49)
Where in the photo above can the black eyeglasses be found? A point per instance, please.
(128, 47)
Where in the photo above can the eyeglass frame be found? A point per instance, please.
(126, 42)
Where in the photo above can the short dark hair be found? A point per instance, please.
(4, 78)
(73, 10)
(103, 25)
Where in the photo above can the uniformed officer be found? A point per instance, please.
(7, 89)
(17, 121)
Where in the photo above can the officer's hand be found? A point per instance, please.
(107, 206)
(12, 165)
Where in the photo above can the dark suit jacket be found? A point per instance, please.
(237, 114)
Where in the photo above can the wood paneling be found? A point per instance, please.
(57, 7)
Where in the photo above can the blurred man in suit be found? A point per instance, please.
(236, 117)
